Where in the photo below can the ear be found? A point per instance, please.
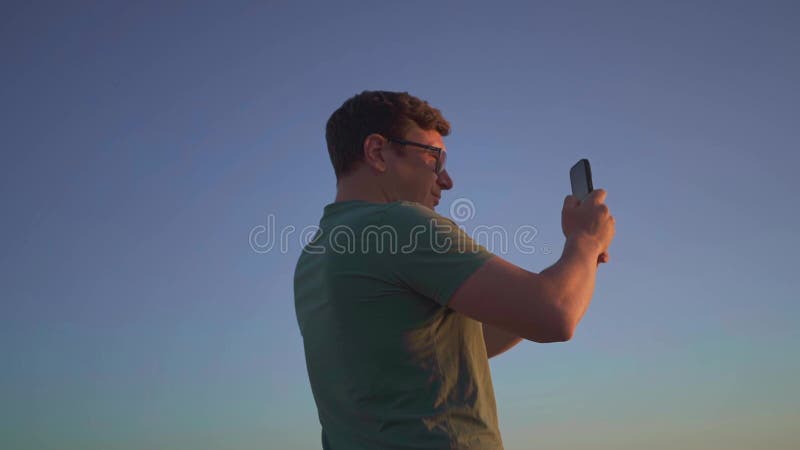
(373, 154)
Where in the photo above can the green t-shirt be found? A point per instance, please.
(390, 365)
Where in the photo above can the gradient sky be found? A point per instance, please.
(142, 143)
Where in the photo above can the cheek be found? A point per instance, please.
(426, 183)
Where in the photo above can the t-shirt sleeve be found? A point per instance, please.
(434, 255)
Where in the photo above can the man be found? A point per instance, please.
(400, 310)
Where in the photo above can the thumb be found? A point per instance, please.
(571, 201)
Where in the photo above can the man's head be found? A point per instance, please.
(389, 141)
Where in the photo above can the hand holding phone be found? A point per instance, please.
(580, 176)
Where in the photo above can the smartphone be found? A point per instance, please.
(580, 175)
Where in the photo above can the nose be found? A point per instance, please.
(444, 181)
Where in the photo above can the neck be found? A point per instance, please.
(353, 188)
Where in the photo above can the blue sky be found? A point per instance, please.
(143, 142)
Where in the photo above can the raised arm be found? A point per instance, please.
(547, 306)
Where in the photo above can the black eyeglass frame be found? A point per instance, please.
(441, 154)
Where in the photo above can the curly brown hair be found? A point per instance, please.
(383, 112)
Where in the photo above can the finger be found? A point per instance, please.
(596, 196)
(571, 201)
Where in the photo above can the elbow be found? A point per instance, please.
(565, 334)
(561, 335)
(552, 319)
(560, 320)
(560, 328)
(551, 334)
(565, 328)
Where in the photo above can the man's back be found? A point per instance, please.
(390, 365)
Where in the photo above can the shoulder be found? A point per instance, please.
(406, 213)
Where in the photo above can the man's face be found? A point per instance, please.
(412, 175)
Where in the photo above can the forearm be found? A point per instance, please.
(573, 277)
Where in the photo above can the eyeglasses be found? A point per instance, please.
(441, 154)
